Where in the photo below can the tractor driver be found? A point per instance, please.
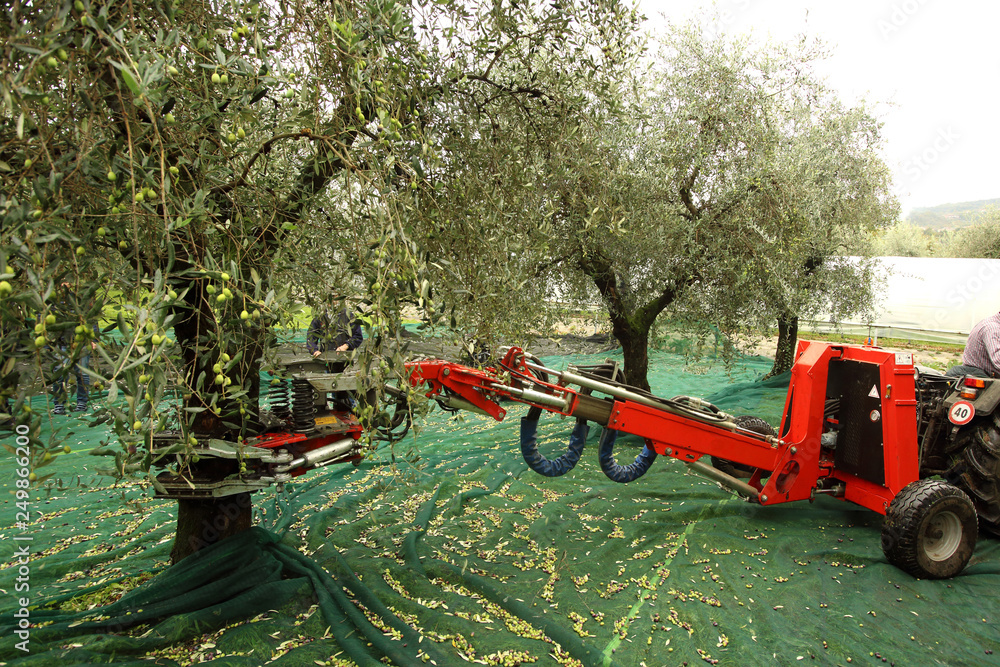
(981, 357)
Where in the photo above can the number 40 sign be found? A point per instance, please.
(961, 413)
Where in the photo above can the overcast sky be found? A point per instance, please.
(932, 65)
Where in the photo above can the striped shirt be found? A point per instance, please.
(983, 347)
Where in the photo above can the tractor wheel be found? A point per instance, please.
(979, 474)
(738, 470)
(930, 529)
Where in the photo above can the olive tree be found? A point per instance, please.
(168, 157)
(194, 170)
(980, 239)
(716, 182)
(503, 138)
(822, 206)
(905, 239)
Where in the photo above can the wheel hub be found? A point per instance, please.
(942, 536)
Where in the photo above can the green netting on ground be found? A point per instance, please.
(453, 552)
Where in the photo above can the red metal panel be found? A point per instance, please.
(274, 440)
(867, 494)
(689, 439)
(899, 429)
(902, 455)
(466, 382)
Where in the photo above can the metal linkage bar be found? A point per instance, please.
(682, 405)
(562, 404)
(317, 457)
(725, 480)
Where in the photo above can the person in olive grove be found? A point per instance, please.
(72, 353)
(981, 357)
(336, 329)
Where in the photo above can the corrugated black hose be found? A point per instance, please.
(615, 472)
(540, 464)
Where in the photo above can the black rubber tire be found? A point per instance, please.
(930, 529)
(979, 474)
(738, 470)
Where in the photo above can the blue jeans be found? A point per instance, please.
(82, 380)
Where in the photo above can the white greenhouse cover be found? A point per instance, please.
(928, 298)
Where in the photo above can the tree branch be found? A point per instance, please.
(518, 90)
(685, 191)
(264, 149)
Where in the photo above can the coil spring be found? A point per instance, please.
(279, 400)
(303, 407)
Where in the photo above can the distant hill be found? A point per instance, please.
(949, 216)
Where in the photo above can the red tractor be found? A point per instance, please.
(860, 423)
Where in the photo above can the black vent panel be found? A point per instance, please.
(860, 447)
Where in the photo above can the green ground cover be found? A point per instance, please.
(448, 550)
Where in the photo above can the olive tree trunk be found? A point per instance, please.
(202, 523)
(634, 339)
(630, 324)
(784, 355)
